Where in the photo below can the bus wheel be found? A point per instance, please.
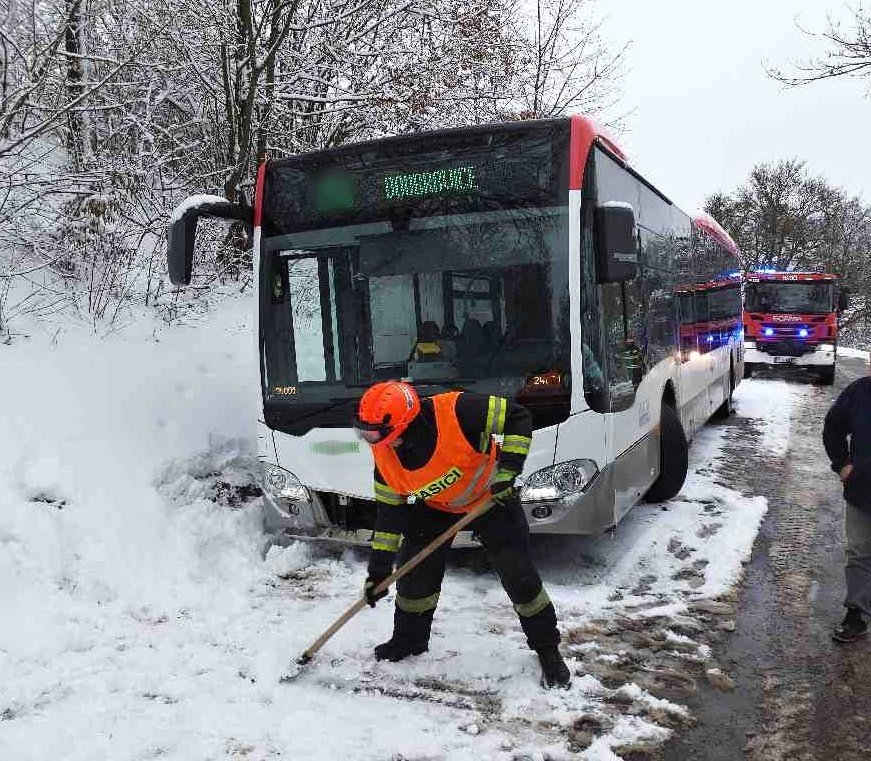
(826, 375)
(748, 370)
(673, 457)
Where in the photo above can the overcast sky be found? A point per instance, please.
(704, 110)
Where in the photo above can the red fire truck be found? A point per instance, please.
(791, 318)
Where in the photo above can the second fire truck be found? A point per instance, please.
(791, 318)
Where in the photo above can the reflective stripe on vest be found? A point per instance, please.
(457, 476)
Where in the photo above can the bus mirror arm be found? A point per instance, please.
(616, 242)
(182, 233)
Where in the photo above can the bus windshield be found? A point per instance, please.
(790, 297)
(447, 267)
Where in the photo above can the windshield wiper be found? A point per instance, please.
(450, 385)
(333, 404)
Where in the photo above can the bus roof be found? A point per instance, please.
(584, 132)
(705, 222)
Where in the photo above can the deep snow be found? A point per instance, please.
(140, 621)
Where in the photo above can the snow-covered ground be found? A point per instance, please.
(140, 621)
(846, 351)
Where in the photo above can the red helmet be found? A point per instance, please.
(385, 411)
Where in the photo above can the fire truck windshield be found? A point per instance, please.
(790, 297)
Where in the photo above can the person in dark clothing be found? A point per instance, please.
(847, 439)
(440, 453)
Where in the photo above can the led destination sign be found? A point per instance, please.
(417, 184)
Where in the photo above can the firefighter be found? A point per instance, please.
(440, 451)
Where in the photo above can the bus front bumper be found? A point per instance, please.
(822, 356)
(306, 516)
(308, 521)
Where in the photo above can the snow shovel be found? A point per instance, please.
(449, 533)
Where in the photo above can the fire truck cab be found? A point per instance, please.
(791, 319)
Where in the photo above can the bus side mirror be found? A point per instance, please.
(616, 248)
(843, 299)
(182, 233)
(180, 248)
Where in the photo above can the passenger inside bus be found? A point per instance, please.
(431, 346)
(432, 355)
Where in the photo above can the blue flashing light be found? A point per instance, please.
(803, 333)
(768, 331)
(710, 339)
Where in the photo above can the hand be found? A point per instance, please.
(369, 589)
(502, 491)
(380, 567)
(845, 472)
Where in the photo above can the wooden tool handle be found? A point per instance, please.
(397, 574)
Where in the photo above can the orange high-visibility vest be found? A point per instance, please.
(457, 477)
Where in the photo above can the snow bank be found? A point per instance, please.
(139, 619)
(846, 351)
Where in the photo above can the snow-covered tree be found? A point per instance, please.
(113, 110)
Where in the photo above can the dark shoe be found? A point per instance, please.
(853, 627)
(554, 672)
(410, 636)
(395, 649)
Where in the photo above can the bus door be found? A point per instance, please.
(629, 418)
(320, 333)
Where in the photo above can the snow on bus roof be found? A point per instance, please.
(706, 222)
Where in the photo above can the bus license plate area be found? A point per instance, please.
(784, 360)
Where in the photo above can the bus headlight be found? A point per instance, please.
(826, 347)
(558, 481)
(279, 482)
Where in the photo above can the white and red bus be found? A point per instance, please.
(791, 319)
(527, 260)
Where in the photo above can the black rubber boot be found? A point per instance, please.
(554, 672)
(410, 636)
(395, 649)
(853, 627)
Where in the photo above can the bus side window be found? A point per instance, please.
(622, 354)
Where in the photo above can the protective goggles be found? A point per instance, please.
(371, 433)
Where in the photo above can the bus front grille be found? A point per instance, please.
(354, 514)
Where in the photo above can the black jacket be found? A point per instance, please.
(418, 444)
(847, 438)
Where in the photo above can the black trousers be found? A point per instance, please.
(504, 533)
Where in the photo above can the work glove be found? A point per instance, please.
(502, 489)
(380, 567)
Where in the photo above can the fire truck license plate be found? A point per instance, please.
(783, 360)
